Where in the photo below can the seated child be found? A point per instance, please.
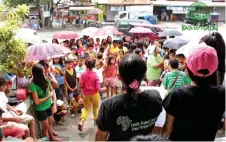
(61, 112)
(76, 103)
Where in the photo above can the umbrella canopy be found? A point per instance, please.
(175, 43)
(140, 30)
(90, 31)
(187, 47)
(65, 35)
(107, 31)
(28, 36)
(170, 32)
(42, 51)
(95, 11)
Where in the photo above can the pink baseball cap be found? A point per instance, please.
(202, 61)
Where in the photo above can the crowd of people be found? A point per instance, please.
(114, 70)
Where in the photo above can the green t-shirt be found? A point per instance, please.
(171, 76)
(45, 105)
(152, 72)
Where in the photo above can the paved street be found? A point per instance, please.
(68, 131)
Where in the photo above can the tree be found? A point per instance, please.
(14, 3)
(12, 49)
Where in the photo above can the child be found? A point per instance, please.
(70, 77)
(109, 74)
(181, 59)
(90, 85)
(138, 51)
(76, 103)
(118, 81)
(80, 68)
(58, 73)
(61, 112)
(99, 61)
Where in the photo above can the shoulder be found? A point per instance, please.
(152, 95)
(113, 101)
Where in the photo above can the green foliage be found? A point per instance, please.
(12, 49)
(14, 3)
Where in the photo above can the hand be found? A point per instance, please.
(103, 89)
(54, 109)
(51, 95)
(17, 120)
(19, 112)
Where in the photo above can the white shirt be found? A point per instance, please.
(99, 74)
(3, 101)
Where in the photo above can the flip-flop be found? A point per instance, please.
(80, 127)
(55, 133)
(60, 123)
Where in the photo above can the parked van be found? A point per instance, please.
(124, 25)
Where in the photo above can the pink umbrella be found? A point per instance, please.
(90, 30)
(108, 30)
(43, 51)
(65, 35)
(140, 30)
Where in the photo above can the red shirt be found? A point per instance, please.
(110, 71)
(89, 82)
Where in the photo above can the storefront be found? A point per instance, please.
(113, 6)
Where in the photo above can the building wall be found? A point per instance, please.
(220, 10)
(110, 14)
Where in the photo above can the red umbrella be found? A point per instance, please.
(65, 35)
(108, 30)
(139, 30)
(43, 51)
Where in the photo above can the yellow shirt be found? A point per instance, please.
(114, 50)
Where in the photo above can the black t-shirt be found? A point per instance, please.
(197, 112)
(124, 121)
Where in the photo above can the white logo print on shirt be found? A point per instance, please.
(124, 121)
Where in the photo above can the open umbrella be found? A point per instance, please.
(170, 32)
(187, 47)
(28, 36)
(65, 35)
(139, 30)
(175, 43)
(90, 31)
(108, 30)
(42, 51)
(95, 11)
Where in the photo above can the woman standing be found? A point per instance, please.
(186, 106)
(42, 92)
(134, 113)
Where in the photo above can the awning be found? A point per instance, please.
(185, 3)
(81, 8)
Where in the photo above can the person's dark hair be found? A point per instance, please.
(110, 57)
(132, 68)
(133, 46)
(124, 38)
(216, 41)
(55, 40)
(174, 64)
(99, 55)
(90, 63)
(78, 41)
(137, 51)
(109, 37)
(166, 56)
(152, 137)
(89, 44)
(140, 45)
(39, 78)
(97, 39)
(126, 44)
(121, 51)
(43, 63)
(120, 44)
(2, 81)
(80, 57)
(135, 37)
(68, 60)
(60, 61)
(180, 56)
(103, 40)
(101, 49)
(204, 81)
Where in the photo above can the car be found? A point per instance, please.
(124, 25)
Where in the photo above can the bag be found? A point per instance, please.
(21, 94)
(175, 80)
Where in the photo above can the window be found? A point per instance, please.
(123, 24)
(123, 15)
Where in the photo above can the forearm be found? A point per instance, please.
(165, 132)
(11, 108)
(100, 138)
(6, 119)
(42, 100)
